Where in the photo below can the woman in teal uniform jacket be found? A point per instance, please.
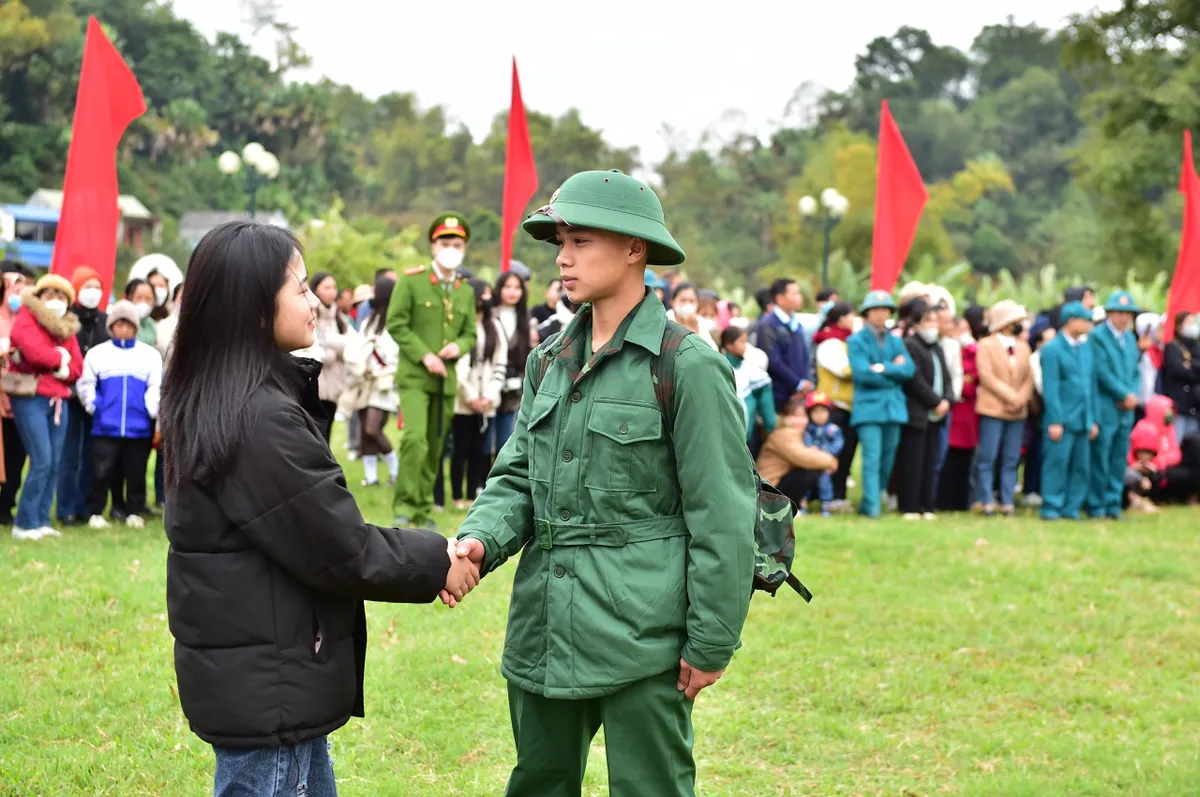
(880, 366)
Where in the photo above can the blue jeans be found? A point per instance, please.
(1003, 438)
(305, 770)
(75, 469)
(1185, 425)
(499, 430)
(43, 440)
(825, 490)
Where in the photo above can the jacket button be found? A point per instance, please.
(624, 428)
(559, 571)
(576, 397)
(568, 456)
(564, 514)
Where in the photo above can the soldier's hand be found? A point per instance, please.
(691, 680)
(462, 577)
(1094, 433)
(433, 364)
(1054, 431)
(449, 352)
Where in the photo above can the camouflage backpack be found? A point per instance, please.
(774, 533)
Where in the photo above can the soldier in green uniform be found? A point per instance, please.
(432, 319)
(635, 528)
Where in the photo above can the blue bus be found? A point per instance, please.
(27, 234)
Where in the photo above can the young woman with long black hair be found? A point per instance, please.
(512, 311)
(270, 559)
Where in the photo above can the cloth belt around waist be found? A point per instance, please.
(608, 535)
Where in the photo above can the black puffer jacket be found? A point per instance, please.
(266, 560)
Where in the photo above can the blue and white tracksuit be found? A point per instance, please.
(120, 388)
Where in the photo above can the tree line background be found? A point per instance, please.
(1047, 153)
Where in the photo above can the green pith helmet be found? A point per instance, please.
(611, 201)
(450, 223)
(1121, 302)
(877, 299)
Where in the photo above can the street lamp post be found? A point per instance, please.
(263, 166)
(835, 206)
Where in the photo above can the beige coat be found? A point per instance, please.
(480, 378)
(371, 370)
(785, 450)
(1003, 380)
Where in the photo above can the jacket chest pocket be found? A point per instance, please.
(541, 436)
(626, 447)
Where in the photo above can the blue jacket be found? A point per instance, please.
(1068, 385)
(828, 438)
(1116, 373)
(120, 388)
(878, 397)
(787, 356)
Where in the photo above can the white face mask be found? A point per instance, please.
(685, 310)
(449, 259)
(160, 297)
(928, 334)
(57, 306)
(90, 298)
(1190, 330)
(143, 309)
(965, 340)
(739, 323)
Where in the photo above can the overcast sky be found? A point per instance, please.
(629, 66)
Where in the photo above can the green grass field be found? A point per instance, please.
(967, 656)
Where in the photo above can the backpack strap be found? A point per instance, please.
(662, 371)
(544, 360)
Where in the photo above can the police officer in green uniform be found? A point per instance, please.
(636, 540)
(432, 319)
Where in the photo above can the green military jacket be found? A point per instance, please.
(423, 317)
(637, 544)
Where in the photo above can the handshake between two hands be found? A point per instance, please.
(466, 561)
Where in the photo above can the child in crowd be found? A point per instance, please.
(119, 388)
(788, 462)
(753, 386)
(1142, 475)
(823, 435)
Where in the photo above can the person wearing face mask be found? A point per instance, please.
(45, 363)
(162, 294)
(432, 318)
(929, 394)
(1005, 387)
(75, 468)
(141, 293)
(1181, 374)
(14, 274)
(685, 311)
(1068, 392)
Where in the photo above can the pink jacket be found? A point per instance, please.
(39, 339)
(1154, 427)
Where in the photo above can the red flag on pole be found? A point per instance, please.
(900, 196)
(1185, 285)
(520, 173)
(109, 99)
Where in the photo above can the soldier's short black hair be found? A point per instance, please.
(826, 293)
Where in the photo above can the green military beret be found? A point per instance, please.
(450, 223)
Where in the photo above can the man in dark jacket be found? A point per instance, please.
(782, 338)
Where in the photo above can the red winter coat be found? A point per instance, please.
(964, 421)
(37, 335)
(1153, 433)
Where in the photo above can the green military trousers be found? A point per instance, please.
(647, 737)
(420, 452)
